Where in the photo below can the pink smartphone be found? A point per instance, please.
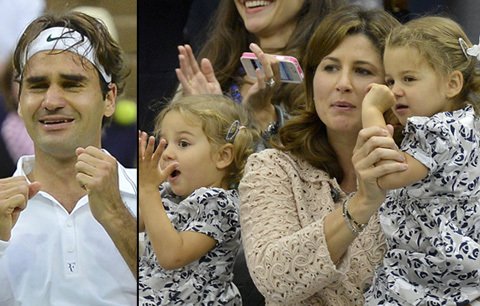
(290, 70)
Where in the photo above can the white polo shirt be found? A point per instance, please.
(56, 258)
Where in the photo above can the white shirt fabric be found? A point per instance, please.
(59, 259)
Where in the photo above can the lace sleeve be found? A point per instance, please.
(286, 254)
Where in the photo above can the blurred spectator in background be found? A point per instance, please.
(14, 17)
(12, 129)
(162, 26)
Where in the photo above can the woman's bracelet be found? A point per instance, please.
(353, 225)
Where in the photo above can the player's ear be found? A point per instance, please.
(110, 99)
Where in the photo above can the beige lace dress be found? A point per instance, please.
(283, 203)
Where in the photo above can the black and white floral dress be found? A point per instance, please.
(433, 226)
(208, 280)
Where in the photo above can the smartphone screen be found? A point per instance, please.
(289, 71)
(284, 74)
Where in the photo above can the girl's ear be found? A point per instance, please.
(455, 84)
(224, 156)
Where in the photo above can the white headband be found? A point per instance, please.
(59, 38)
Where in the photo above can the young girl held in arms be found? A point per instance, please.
(192, 225)
(432, 221)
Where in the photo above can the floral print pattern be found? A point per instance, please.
(433, 226)
(208, 280)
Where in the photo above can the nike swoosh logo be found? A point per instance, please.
(50, 38)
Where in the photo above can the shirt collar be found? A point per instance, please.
(25, 166)
(127, 180)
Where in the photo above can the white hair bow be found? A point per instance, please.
(472, 51)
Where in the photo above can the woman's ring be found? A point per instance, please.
(270, 82)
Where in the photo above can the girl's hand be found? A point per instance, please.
(196, 79)
(150, 172)
(379, 96)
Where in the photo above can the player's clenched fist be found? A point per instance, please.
(14, 194)
(97, 172)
